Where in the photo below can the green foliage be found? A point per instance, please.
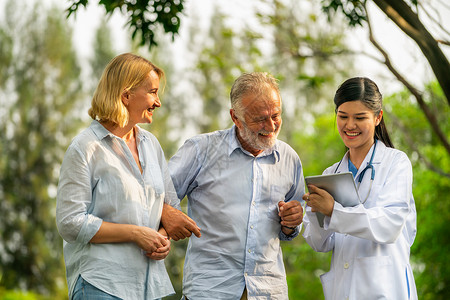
(21, 295)
(310, 59)
(103, 51)
(318, 146)
(40, 76)
(42, 85)
(353, 10)
(222, 56)
(412, 134)
(143, 16)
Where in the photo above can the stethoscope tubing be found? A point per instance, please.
(361, 175)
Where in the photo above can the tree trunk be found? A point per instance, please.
(408, 21)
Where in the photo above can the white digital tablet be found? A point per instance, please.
(340, 185)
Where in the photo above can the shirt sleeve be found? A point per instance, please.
(171, 197)
(184, 167)
(290, 237)
(295, 193)
(73, 199)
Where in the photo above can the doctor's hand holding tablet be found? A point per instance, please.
(324, 190)
(319, 200)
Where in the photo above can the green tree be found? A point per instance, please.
(103, 51)
(144, 16)
(308, 57)
(42, 87)
(429, 252)
(318, 148)
(404, 16)
(224, 55)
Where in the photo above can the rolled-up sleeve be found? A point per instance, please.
(74, 196)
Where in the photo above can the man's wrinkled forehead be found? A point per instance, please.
(265, 100)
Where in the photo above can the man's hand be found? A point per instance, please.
(291, 214)
(177, 224)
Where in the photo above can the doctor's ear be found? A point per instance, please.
(378, 118)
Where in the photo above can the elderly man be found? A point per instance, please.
(243, 188)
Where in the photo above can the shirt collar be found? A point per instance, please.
(101, 132)
(235, 144)
(379, 153)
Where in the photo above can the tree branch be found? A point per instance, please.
(402, 15)
(412, 145)
(437, 22)
(418, 95)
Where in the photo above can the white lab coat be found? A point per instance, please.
(370, 242)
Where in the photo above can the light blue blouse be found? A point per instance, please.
(100, 181)
(233, 197)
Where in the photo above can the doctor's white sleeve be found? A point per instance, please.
(319, 239)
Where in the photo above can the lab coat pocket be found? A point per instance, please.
(372, 278)
(327, 280)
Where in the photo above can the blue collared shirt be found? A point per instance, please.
(100, 181)
(233, 197)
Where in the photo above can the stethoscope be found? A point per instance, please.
(369, 166)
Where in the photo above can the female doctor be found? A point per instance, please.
(371, 241)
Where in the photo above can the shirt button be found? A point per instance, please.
(251, 226)
(253, 203)
(245, 274)
(249, 251)
(346, 265)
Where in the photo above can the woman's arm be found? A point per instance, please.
(146, 238)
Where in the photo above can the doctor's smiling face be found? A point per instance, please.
(356, 125)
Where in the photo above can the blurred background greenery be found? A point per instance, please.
(46, 85)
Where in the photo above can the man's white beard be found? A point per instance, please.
(254, 141)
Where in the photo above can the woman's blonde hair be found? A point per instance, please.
(122, 74)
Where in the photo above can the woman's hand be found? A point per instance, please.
(156, 245)
(151, 241)
(319, 200)
(160, 253)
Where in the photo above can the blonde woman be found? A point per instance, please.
(113, 184)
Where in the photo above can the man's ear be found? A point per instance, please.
(235, 119)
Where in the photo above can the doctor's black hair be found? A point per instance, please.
(365, 90)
